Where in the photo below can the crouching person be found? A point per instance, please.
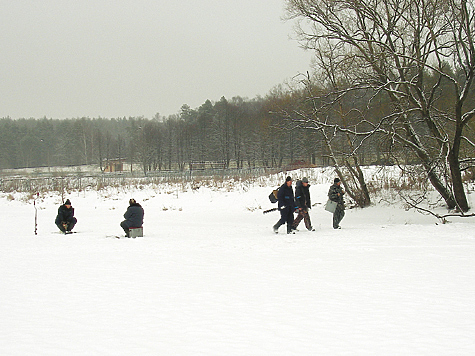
(133, 217)
(65, 219)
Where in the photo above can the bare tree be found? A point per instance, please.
(405, 51)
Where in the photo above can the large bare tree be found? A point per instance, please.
(408, 53)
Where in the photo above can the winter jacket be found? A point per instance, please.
(285, 197)
(134, 215)
(64, 214)
(302, 195)
(333, 194)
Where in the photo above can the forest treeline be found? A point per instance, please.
(236, 133)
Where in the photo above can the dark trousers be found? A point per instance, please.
(70, 224)
(303, 214)
(338, 215)
(286, 216)
(125, 225)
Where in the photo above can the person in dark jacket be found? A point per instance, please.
(336, 194)
(286, 206)
(302, 198)
(65, 219)
(133, 217)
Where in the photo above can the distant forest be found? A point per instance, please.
(236, 133)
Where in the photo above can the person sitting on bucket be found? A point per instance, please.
(133, 217)
(65, 219)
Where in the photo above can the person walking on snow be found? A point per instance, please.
(133, 217)
(336, 194)
(286, 206)
(65, 219)
(302, 198)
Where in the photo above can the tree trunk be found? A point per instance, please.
(456, 174)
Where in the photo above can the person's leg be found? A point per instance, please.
(72, 223)
(283, 219)
(61, 227)
(336, 219)
(298, 219)
(338, 216)
(290, 220)
(124, 225)
(59, 224)
(307, 221)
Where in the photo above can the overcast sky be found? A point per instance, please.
(115, 58)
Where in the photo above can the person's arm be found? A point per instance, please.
(60, 215)
(127, 214)
(299, 198)
(333, 194)
(281, 197)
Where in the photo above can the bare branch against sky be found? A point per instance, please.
(65, 58)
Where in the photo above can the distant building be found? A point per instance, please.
(114, 165)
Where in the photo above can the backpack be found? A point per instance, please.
(273, 196)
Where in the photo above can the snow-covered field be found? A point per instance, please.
(211, 278)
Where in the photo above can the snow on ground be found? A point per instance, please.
(210, 278)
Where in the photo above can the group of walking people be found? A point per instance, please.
(300, 203)
(66, 221)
